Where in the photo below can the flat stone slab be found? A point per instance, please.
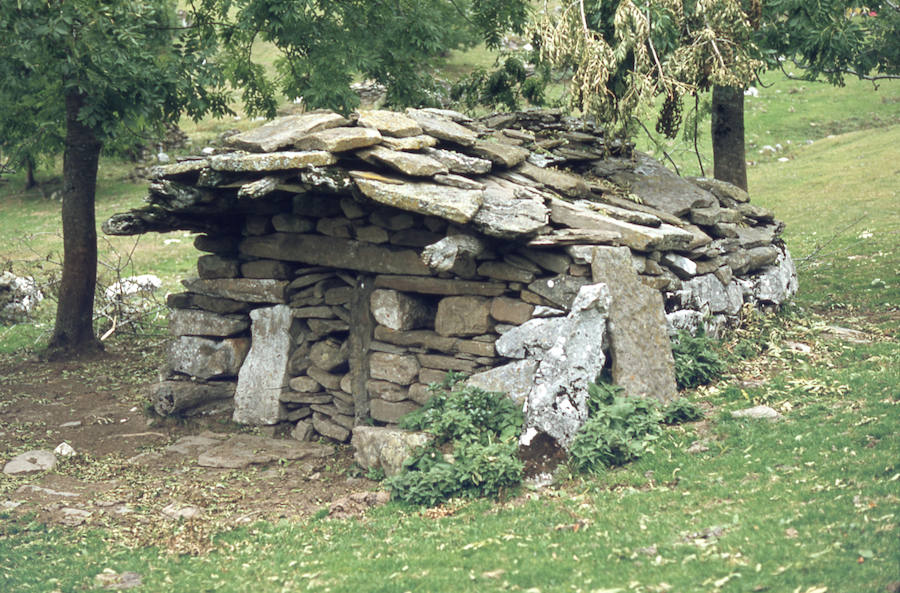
(250, 290)
(408, 163)
(336, 252)
(285, 131)
(243, 450)
(193, 444)
(389, 123)
(196, 322)
(508, 215)
(654, 184)
(29, 462)
(340, 139)
(443, 129)
(430, 199)
(640, 349)
(276, 161)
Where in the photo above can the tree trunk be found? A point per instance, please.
(30, 181)
(729, 159)
(73, 333)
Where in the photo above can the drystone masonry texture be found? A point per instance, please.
(348, 263)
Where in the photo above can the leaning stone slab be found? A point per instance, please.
(408, 163)
(336, 252)
(514, 379)
(460, 163)
(560, 290)
(557, 403)
(176, 169)
(430, 199)
(662, 238)
(239, 289)
(565, 183)
(207, 359)
(285, 131)
(640, 349)
(276, 161)
(30, 462)
(264, 374)
(410, 143)
(339, 139)
(195, 322)
(328, 428)
(654, 184)
(389, 123)
(385, 448)
(504, 155)
(243, 450)
(443, 129)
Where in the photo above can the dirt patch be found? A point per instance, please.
(124, 478)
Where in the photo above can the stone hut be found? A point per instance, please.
(351, 262)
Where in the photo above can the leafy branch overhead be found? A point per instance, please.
(622, 54)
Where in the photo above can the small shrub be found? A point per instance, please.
(681, 410)
(619, 429)
(696, 360)
(480, 431)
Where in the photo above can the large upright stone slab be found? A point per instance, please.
(557, 403)
(640, 349)
(264, 374)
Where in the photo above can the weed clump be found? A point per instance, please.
(474, 452)
(697, 361)
(621, 429)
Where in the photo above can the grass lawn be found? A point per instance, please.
(808, 504)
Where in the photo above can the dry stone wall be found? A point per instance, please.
(350, 262)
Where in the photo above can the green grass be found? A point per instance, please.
(807, 502)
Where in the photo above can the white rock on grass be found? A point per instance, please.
(30, 462)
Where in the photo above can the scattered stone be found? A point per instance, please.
(30, 462)
(181, 512)
(74, 517)
(110, 579)
(757, 413)
(385, 448)
(243, 450)
(64, 450)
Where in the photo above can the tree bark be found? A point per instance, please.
(73, 333)
(30, 181)
(729, 158)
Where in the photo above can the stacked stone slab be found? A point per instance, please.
(351, 262)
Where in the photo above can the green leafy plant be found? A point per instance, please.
(681, 410)
(619, 429)
(696, 360)
(474, 452)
